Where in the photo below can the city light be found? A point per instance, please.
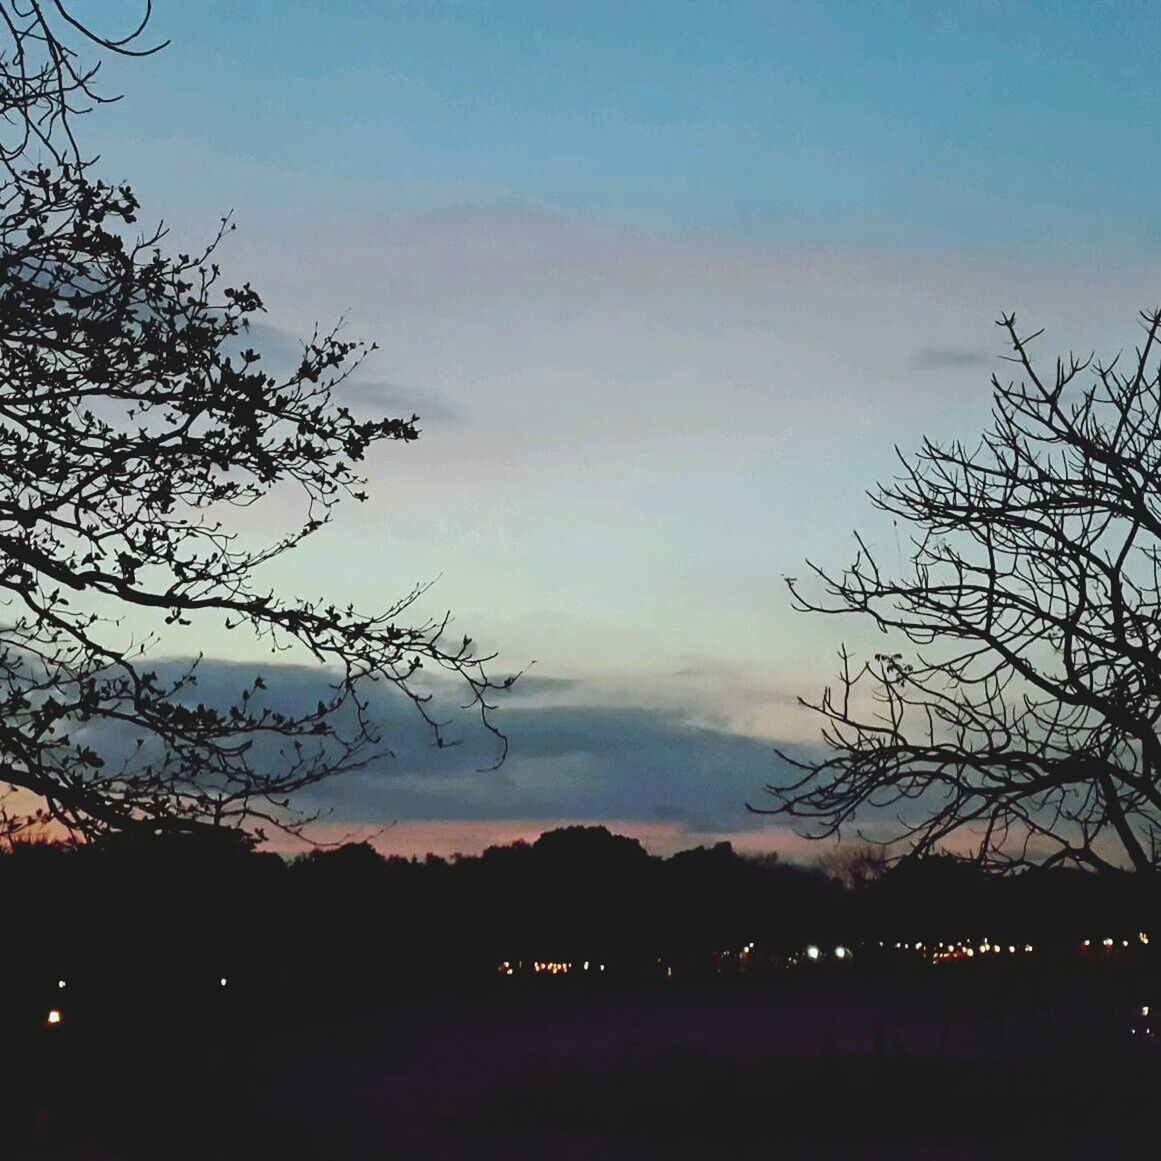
(54, 1016)
(744, 957)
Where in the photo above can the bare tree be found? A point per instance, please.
(1017, 706)
(44, 85)
(854, 865)
(134, 422)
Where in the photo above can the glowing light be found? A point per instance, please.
(54, 1016)
(970, 952)
(812, 952)
(1108, 943)
(586, 965)
(840, 952)
(1011, 950)
(1124, 943)
(1144, 1009)
(222, 982)
(62, 983)
(1142, 937)
(1027, 947)
(1087, 942)
(508, 972)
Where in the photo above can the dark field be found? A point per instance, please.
(925, 1067)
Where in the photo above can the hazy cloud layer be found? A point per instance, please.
(281, 352)
(632, 436)
(378, 398)
(952, 356)
(566, 762)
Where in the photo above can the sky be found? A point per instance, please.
(667, 283)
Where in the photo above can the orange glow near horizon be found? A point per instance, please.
(447, 837)
(418, 837)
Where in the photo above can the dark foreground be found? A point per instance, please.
(823, 1068)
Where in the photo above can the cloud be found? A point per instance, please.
(650, 772)
(281, 352)
(935, 358)
(379, 398)
(574, 762)
(531, 685)
(570, 762)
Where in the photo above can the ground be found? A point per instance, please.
(825, 1068)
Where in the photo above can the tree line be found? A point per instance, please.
(168, 916)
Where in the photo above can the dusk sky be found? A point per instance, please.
(666, 283)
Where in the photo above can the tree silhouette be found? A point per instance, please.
(44, 85)
(134, 421)
(854, 865)
(1023, 715)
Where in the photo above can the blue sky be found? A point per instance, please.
(969, 124)
(667, 282)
